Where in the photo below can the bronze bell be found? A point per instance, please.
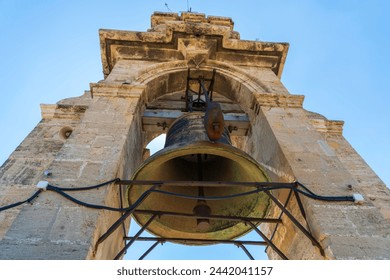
(189, 155)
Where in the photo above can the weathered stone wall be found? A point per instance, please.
(312, 150)
(103, 138)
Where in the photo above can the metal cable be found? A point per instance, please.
(21, 202)
(61, 191)
(82, 203)
(87, 188)
(317, 197)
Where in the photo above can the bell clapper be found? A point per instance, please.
(201, 208)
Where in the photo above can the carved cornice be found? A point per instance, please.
(116, 90)
(192, 37)
(61, 111)
(279, 100)
(328, 126)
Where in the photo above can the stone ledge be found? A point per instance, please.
(62, 111)
(279, 100)
(328, 126)
(116, 90)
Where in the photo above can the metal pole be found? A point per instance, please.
(245, 250)
(269, 242)
(211, 217)
(194, 240)
(280, 217)
(297, 197)
(208, 184)
(123, 217)
(149, 250)
(135, 237)
(296, 222)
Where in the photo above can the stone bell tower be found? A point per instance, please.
(103, 134)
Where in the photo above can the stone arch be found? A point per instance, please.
(231, 81)
(163, 78)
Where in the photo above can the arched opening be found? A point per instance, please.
(165, 92)
(230, 81)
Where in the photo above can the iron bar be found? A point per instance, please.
(204, 79)
(188, 108)
(280, 217)
(135, 237)
(258, 185)
(205, 183)
(296, 222)
(269, 242)
(211, 217)
(303, 213)
(240, 245)
(149, 250)
(211, 86)
(121, 204)
(300, 205)
(122, 219)
(194, 240)
(206, 94)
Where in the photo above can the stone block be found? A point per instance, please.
(21, 171)
(358, 248)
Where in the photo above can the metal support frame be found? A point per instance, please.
(123, 218)
(240, 245)
(251, 221)
(269, 242)
(150, 249)
(280, 217)
(296, 222)
(208, 93)
(193, 240)
(145, 226)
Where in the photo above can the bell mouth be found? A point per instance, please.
(180, 162)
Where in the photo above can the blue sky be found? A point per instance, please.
(338, 58)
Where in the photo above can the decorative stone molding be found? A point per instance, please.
(279, 100)
(328, 126)
(159, 18)
(62, 111)
(206, 38)
(116, 90)
(323, 125)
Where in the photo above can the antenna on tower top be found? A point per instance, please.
(188, 7)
